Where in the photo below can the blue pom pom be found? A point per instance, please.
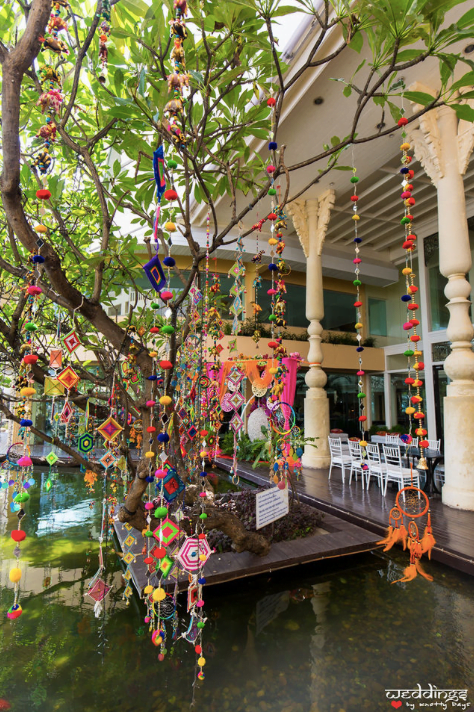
(272, 145)
(404, 169)
(149, 478)
(359, 349)
(272, 267)
(25, 423)
(203, 474)
(275, 467)
(152, 378)
(358, 239)
(202, 581)
(163, 438)
(38, 259)
(169, 262)
(406, 298)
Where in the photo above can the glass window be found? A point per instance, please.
(343, 402)
(339, 311)
(439, 314)
(377, 317)
(400, 400)
(377, 400)
(295, 312)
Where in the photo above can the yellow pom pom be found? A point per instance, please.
(15, 575)
(201, 662)
(202, 557)
(170, 226)
(203, 453)
(417, 383)
(363, 443)
(407, 270)
(356, 217)
(418, 353)
(27, 391)
(276, 479)
(159, 594)
(405, 147)
(272, 370)
(41, 228)
(153, 354)
(272, 241)
(359, 325)
(409, 410)
(165, 400)
(148, 589)
(150, 454)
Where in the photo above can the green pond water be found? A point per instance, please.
(323, 638)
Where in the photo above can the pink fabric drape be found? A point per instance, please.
(289, 390)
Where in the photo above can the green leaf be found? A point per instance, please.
(284, 10)
(335, 140)
(466, 20)
(347, 91)
(463, 111)
(466, 81)
(357, 42)
(407, 55)
(342, 168)
(419, 97)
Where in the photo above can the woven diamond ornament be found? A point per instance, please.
(191, 551)
(108, 459)
(98, 591)
(53, 387)
(110, 429)
(51, 458)
(66, 413)
(236, 399)
(172, 485)
(168, 530)
(166, 564)
(68, 377)
(129, 558)
(71, 341)
(236, 423)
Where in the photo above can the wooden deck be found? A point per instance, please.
(453, 529)
(337, 538)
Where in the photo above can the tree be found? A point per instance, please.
(234, 66)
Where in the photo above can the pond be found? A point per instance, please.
(325, 638)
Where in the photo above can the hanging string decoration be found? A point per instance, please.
(358, 307)
(414, 355)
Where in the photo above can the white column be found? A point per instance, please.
(427, 346)
(455, 261)
(311, 219)
(443, 145)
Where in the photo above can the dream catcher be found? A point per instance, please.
(411, 506)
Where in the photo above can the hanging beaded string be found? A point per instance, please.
(358, 306)
(414, 409)
(103, 37)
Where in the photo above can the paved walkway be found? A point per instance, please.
(453, 529)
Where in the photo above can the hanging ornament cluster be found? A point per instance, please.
(178, 79)
(414, 410)
(362, 418)
(104, 30)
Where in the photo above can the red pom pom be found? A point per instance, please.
(154, 330)
(171, 194)
(424, 443)
(411, 173)
(402, 121)
(166, 296)
(413, 306)
(357, 304)
(408, 246)
(409, 381)
(165, 365)
(272, 344)
(410, 217)
(198, 649)
(411, 237)
(411, 201)
(149, 560)
(201, 536)
(414, 322)
(204, 433)
(272, 216)
(151, 429)
(271, 101)
(362, 418)
(43, 194)
(354, 198)
(18, 535)
(30, 358)
(160, 552)
(415, 338)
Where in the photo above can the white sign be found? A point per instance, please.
(271, 504)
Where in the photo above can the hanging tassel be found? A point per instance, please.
(393, 539)
(408, 575)
(387, 539)
(98, 609)
(422, 572)
(403, 536)
(428, 541)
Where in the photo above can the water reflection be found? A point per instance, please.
(327, 638)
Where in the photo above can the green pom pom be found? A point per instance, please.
(161, 512)
(23, 497)
(155, 305)
(31, 326)
(404, 221)
(354, 179)
(172, 163)
(167, 329)
(272, 191)
(357, 283)
(272, 317)
(200, 624)
(148, 533)
(203, 516)
(408, 352)
(361, 395)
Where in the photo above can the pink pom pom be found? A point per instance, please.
(357, 261)
(407, 326)
(160, 473)
(200, 604)
(405, 194)
(25, 461)
(281, 485)
(272, 292)
(148, 505)
(34, 290)
(361, 373)
(150, 403)
(271, 169)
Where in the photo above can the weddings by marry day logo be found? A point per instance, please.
(430, 698)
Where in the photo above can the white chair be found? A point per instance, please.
(338, 458)
(395, 472)
(356, 460)
(434, 445)
(376, 466)
(392, 440)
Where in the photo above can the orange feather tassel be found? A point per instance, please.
(388, 537)
(408, 575)
(422, 572)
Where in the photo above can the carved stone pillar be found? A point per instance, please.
(443, 145)
(310, 219)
